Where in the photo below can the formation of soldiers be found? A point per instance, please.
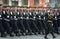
(28, 22)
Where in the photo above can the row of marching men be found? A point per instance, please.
(26, 22)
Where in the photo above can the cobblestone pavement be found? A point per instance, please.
(32, 37)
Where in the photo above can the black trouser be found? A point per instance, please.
(39, 25)
(36, 23)
(21, 25)
(6, 25)
(55, 25)
(43, 27)
(58, 22)
(49, 29)
(1, 27)
(33, 26)
(9, 29)
(27, 26)
(15, 27)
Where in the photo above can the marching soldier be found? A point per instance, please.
(11, 16)
(58, 16)
(2, 31)
(39, 24)
(4, 21)
(50, 26)
(31, 26)
(18, 15)
(43, 22)
(55, 19)
(26, 23)
(22, 27)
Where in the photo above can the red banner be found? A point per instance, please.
(40, 3)
(31, 3)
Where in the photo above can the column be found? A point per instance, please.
(20, 3)
(10, 2)
(28, 3)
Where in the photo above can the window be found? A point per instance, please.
(36, 2)
(5, 1)
(14, 3)
(25, 2)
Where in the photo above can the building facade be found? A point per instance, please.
(23, 2)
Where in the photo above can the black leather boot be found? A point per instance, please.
(3, 34)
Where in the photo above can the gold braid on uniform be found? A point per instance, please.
(49, 18)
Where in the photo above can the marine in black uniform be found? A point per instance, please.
(39, 23)
(2, 31)
(55, 22)
(4, 21)
(43, 22)
(11, 16)
(58, 16)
